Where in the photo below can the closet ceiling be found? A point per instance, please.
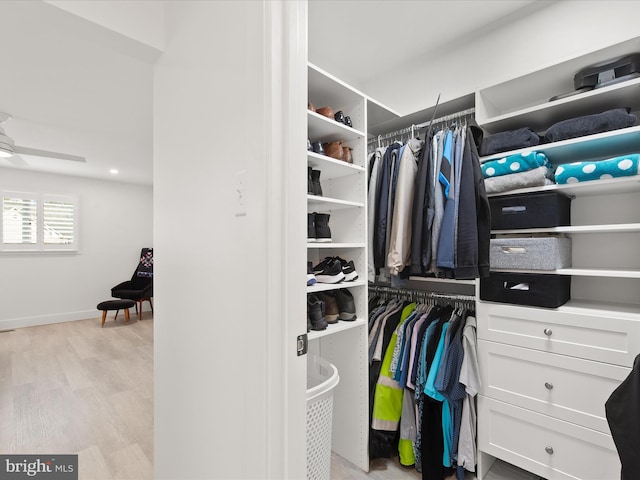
(73, 87)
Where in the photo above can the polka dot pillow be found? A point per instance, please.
(623, 166)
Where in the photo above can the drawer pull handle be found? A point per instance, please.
(548, 332)
(548, 385)
(549, 450)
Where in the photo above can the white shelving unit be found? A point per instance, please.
(344, 198)
(547, 373)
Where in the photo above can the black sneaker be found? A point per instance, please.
(346, 305)
(349, 269)
(315, 311)
(323, 264)
(330, 273)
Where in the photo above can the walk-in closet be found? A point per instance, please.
(547, 301)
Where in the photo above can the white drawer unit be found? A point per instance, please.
(546, 446)
(592, 334)
(567, 388)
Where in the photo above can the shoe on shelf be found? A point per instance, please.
(339, 116)
(323, 264)
(349, 269)
(310, 186)
(347, 121)
(323, 232)
(315, 311)
(317, 148)
(311, 227)
(346, 305)
(311, 278)
(331, 310)
(316, 188)
(309, 147)
(330, 272)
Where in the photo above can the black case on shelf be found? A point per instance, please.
(601, 75)
(530, 289)
(530, 210)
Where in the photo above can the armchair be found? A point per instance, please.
(140, 287)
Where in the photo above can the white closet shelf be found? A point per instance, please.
(324, 129)
(326, 90)
(576, 305)
(591, 147)
(614, 228)
(334, 328)
(331, 167)
(541, 116)
(315, 202)
(312, 245)
(585, 189)
(580, 272)
(323, 287)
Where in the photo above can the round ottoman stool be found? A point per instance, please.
(115, 305)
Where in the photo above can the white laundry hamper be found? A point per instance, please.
(322, 377)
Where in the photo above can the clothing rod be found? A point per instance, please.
(421, 293)
(444, 118)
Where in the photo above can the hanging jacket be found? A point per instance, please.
(383, 443)
(376, 166)
(387, 406)
(399, 254)
(420, 201)
(467, 247)
(381, 208)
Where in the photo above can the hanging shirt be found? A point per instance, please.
(470, 378)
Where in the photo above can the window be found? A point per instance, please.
(37, 222)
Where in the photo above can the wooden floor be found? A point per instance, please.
(390, 469)
(77, 388)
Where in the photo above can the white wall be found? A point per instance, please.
(223, 331)
(115, 223)
(142, 20)
(547, 36)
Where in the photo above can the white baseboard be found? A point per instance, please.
(12, 323)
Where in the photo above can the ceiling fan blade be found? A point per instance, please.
(17, 161)
(47, 153)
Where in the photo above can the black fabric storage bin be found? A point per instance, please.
(543, 290)
(530, 210)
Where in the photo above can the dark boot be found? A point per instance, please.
(315, 310)
(331, 310)
(311, 227)
(310, 186)
(346, 305)
(315, 182)
(323, 232)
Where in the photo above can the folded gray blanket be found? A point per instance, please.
(531, 178)
(510, 140)
(590, 125)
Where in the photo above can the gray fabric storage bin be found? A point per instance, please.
(530, 253)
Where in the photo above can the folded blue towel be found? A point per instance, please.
(623, 166)
(520, 162)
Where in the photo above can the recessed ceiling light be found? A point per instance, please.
(114, 171)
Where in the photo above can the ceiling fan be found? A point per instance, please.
(11, 151)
